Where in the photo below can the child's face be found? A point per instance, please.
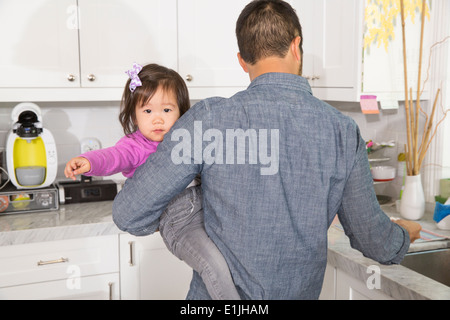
(155, 118)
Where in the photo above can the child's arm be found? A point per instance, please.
(124, 158)
(76, 166)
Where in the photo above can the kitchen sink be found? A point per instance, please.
(434, 264)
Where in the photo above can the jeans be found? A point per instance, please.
(183, 231)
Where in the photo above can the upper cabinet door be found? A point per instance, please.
(207, 43)
(39, 44)
(339, 26)
(331, 31)
(332, 46)
(116, 33)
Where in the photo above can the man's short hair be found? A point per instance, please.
(266, 28)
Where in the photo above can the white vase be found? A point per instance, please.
(412, 205)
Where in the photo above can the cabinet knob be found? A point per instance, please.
(71, 78)
(189, 78)
(316, 78)
(91, 77)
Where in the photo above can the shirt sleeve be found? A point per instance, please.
(369, 229)
(144, 197)
(124, 157)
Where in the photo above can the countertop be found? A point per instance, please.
(94, 219)
(71, 221)
(396, 281)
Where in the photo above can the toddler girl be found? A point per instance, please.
(154, 98)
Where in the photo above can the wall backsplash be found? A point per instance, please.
(70, 122)
(384, 127)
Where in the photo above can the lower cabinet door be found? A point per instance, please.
(100, 287)
(57, 260)
(350, 288)
(148, 271)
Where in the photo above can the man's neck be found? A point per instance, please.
(269, 65)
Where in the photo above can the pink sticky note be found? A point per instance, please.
(369, 105)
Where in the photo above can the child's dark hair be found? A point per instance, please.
(152, 77)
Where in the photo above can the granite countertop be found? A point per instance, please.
(94, 219)
(397, 281)
(71, 221)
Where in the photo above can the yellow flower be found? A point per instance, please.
(380, 17)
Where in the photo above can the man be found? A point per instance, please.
(276, 165)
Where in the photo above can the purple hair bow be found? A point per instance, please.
(134, 76)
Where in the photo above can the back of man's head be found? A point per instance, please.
(266, 28)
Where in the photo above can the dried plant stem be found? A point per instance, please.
(408, 168)
(416, 170)
(426, 141)
(413, 130)
(415, 153)
(408, 122)
(429, 61)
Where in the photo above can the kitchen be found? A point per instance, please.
(76, 76)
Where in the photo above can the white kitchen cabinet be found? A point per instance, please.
(332, 44)
(101, 287)
(116, 33)
(86, 268)
(208, 47)
(39, 46)
(148, 271)
(338, 285)
(79, 50)
(332, 33)
(58, 50)
(349, 288)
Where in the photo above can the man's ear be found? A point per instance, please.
(295, 48)
(242, 63)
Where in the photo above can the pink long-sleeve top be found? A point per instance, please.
(126, 156)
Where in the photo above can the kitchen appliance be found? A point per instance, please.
(13, 200)
(86, 191)
(31, 156)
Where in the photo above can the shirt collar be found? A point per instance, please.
(282, 79)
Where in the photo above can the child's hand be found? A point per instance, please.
(75, 166)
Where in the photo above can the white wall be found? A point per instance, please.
(69, 123)
(446, 132)
(386, 126)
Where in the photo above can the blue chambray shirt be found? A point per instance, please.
(271, 228)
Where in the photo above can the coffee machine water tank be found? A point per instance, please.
(30, 149)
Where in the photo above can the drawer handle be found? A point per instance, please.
(44, 263)
(110, 285)
(131, 262)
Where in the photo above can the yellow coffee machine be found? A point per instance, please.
(30, 149)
